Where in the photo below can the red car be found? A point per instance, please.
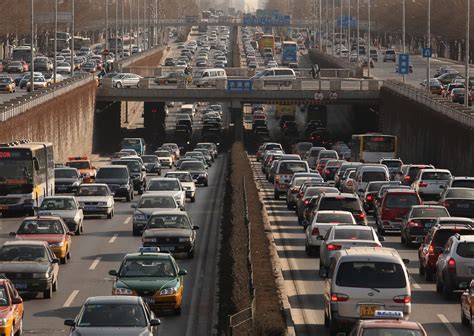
(394, 206)
(434, 243)
(321, 164)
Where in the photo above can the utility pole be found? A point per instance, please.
(358, 34)
(428, 45)
(340, 27)
(106, 24)
(327, 24)
(466, 56)
(138, 25)
(403, 37)
(349, 45)
(55, 38)
(32, 45)
(314, 24)
(116, 50)
(123, 28)
(369, 42)
(130, 30)
(320, 25)
(72, 44)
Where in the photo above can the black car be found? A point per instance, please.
(197, 170)
(31, 265)
(152, 164)
(343, 202)
(66, 180)
(320, 138)
(170, 61)
(137, 173)
(170, 230)
(458, 201)
(118, 179)
(285, 118)
(184, 123)
(371, 193)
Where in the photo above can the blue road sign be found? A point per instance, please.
(403, 64)
(239, 85)
(345, 21)
(277, 20)
(427, 52)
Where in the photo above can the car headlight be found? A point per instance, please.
(139, 217)
(187, 188)
(4, 322)
(149, 240)
(125, 186)
(185, 240)
(203, 175)
(168, 291)
(41, 275)
(60, 244)
(123, 291)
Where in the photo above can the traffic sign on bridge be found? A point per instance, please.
(403, 64)
(279, 20)
(239, 85)
(427, 52)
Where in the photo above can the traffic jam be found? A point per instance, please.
(349, 199)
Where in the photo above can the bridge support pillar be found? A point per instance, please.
(107, 117)
(154, 116)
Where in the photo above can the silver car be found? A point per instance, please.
(65, 207)
(126, 80)
(147, 204)
(187, 182)
(96, 199)
(167, 186)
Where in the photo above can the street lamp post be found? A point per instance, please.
(466, 85)
(327, 25)
(358, 33)
(116, 50)
(106, 24)
(72, 43)
(349, 32)
(369, 42)
(340, 27)
(32, 47)
(320, 25)
(314, 24)
(428, 45)
(333, 27)
(123, 28)
(403, 36)
(55, 47)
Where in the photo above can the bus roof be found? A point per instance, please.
(29, 145)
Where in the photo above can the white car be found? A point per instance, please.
(165, 158)
(63, 67)
(96, 199)
(167, 186)
(187, 182)
(65, 207)
(322, 222)
(126, 80)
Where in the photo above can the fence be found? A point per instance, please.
(28, 101)
(242, 321)
(453, 111)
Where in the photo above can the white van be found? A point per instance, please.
(208, 77)
(276, 76)
(189, 109)
(369, 173)
(361, 280)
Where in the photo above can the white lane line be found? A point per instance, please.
(127, 220)
(113, 238)
(71, 298)
(414, 284)
(448, 325)
(94, 263)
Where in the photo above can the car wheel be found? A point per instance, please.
(20, 327)
(118, 85)
(206, 183)
(54, 287)
(193, 199)
(78, 231)
(48, 293)
(403, 241)
(446, 291)
(68, 255)
(111, 214)
(465, 321)
(129, 197)
(63, 260)
(177, 311)
(326, 319)
(439, 285)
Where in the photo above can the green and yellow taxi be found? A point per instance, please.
(152, 275)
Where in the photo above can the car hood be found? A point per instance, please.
(112, 331)
(149, 211)
(111, 181)
(50, 238)
(92, 198)
(149, 283)
(191, 185)
(174, 193)
(60, 213)
(167, 232)
(23, 266)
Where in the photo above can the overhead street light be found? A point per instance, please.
(466, 85)
(32, 44)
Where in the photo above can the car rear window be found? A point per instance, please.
(460, 193)
(373, 176)
(355, 234)
(441, 236)
(435, 176)
(375, 186)
(334, 218)
(304, 147)
(330, 155)
(430, 212)
(401, 201)
(465, 250)
(392, 164)
(292, 167)
(342, 203)
(369, 274)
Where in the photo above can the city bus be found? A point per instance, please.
(371, 147)
(267, 42)
(112, 46)
(26, 175)
(22, 53)
(289, 52)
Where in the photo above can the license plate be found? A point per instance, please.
(149, 300)
(90, 208)
(61, 188)
(167, 248)
(20, 285)
(368, 310)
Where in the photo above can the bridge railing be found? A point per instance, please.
(452, 110)
(26, 102)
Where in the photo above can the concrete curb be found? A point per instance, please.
(282, 296)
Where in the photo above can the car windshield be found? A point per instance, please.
(460, 193)
(65, 173)
(86, 190)
(353, 234)
(373, 176)
(391, 332)
(429, 212)
(182, 177)
(162, 154)
(166, 202)
(375, 186)
(334, 218)
(168, 221)
(171, 185)
(339, 203)
(293, 167)
(112, 315)
(110, 173)
(23, 253)
(401, 201)
(147, 268)
(192, 166)
(79, 164)
(58, 204)
(370, 274)
(40, 227)
(435, 176)
(149, 158)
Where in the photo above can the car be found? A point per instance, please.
(165, 157)
(85, 167)
(66, 180)
(389, 55)
(457, 95)
(433, 246)
(96, 199)
(285, 169)
(136, 170)
(65, 207)
(149, 203)
(448, 77)
(173, 148)
(152, 275)
(186, 181)
(467, 305)
(117, 179)
(454, 265)
(39, 82)
(63, 68)
(429, 183)
(31, 265)
(212, 147)
(197, 171)
(89, 67)
(394, 166)
(293, 192)
(15, 66)
(371, 192)
(112, 315)
(386, 322)
(342, 169)
(22, 81)
(461, 182)
(394, 206)
(308, 199)
(13, 309)
(458, 201)
(126, 80)
(7, 84)
(418, 222)
(152, 164)
(136, 144)
(167, 186)
(435, 86)
(51, 229)
(172, 231)
(322, 222)
(169, 61)
(171, 77)
(330, 169)
(207, 155)
(343, 202)
(343, 236)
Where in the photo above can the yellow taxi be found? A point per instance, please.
(85, 167)
(7, 84)
(11, 309)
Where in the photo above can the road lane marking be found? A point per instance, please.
(95, 263)
(415, 285)
(71, 298)
(448, 325)
(113, 238)
(127, 220)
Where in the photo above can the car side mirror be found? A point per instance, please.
(182, 272)
(324, 272)
(155, 322)
(181, 208)
(55, 261)
(113, 273)
(12, 234)
(69, 323)
(144, 169)
(17, 300)
(195, 227)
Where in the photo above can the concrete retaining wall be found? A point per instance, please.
(426, 136)
(67, 121)
(327, 61)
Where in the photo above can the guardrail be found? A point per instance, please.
(28, 101)
(453, 111)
